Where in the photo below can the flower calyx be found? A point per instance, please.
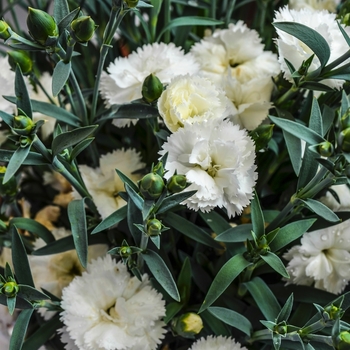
(10, 288)
(131, 3)
(176, 184)
(343, 341)
(151, 186)
(125, 251)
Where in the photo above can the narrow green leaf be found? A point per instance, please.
(11, 304)
(345, 34)
(136, 111)
(59, 246)
(15, 162)
(174, 200)
(232, 318)
(29, 293)
(344, 103)
(321, 209)
(217, 327)
(238, 233)
(184, 281)
(20, 329)
(135, 197)
(34, 227)
(290, 233)
(298, 130)
(215, 221)
(276, 263)
(32, 158)
(264, 298)
(127, 180)
(111, 220)
(294, 149)
(7, 118)
(328, 115)
(60, 10)
(286, 310)
(80, 147)
(134, 216)
(143, 4)
(171, 310)
(67, 19)
(77, 219)
(257, 216)
(70, 138)
(60, 76)
(311, 85)
(161, 273)
(20, 259)
(224, 278)
(22, 95)
(190, 230)
(308, 36)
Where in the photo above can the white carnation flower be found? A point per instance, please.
(55, 272)
(322, 258)
(125, 77)
(217, 343)
(218, 159)
(343, 193)
(190, 99)
(251, 100)
(107, 309)
(295, 51)
(238, 51)
(329, 5)
(104, 184)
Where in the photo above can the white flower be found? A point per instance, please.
(322, 258)
(190, 99)
(329, 5)
(216, 343)
(295, 51)
(238, 51)
(55, 272)
(104, 184)
(218, 159)
(125, 76)
(107, 309)
(251, 100)
(343, 193)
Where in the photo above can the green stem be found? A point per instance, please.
(281, 216)
(167, 19)
(229, 12)
(336, 62)
(287, 96)
(80, 97)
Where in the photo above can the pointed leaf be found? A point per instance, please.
(111, 220)
(134, 216)
(171, 310)
(257, 216)
(80, 147)
(127, 180)
(174, 200)
(276, 263)
(161, 273)
(238, 233)
(215, 221)
(7, 118)
(29, 293)
(77, 219)
(60, 10)
(22, 95)
(345, 34)
(286, 310)
(321, 209)
(60, 76)
(134, 196)
(32, 158)
(20, 329)
(184, 281)
(294, 149)
(66, 19)
(15, 162)
(224, 278)
(11, 304)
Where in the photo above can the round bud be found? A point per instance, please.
(152, 88)
(10, 289)
(187, 325)
(176, 183)
(82, 29)
(151, 186)
(21, 58)
(154, 227)
(325, 149)
(4, 30)
(23, 125)
(125, 251)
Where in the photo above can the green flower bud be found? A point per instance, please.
(42, 27)
(4, 30)
(154, 227)
(82, 29)
(131, 3)
(345, 119)
(151, 186)
(158, 169)
(325, 149)
(281, 328)
(343, 341)
(10, 289)
(23, 125)
(262, 135)
(187, 325)
(152, 88)
(176, 183)
(125, 251)
(332, 312)
(21, 58)
(344, 140)
(25, 141)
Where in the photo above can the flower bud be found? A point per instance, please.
(82, 29)
(344, 140)
(325, 149)
(152, 88)
(23, 125)
(154, 227)
(21, 58)
(131, 3)
(10, 289)
(332, 312)
(151, 186)
(345, 119)
(125, 251)
(4, 32)
(176, 183)
(262, 135)
(187, 325)
(42, 27)
(343, 341)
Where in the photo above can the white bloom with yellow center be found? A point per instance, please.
(217, 158)
(217, 343)
(296, 52)
(322, 258)
(104, 184)
(123, 82)
(237, 51)
(329, 5)
(107, 309)
(191, 99)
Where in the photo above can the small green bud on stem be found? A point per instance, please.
(152, 88)
(176, 184)
(10, 289)
(151, 186)
(4, 30)
(82, 29)
(187, 325)
(21, 58)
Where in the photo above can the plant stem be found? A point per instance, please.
(167, 18)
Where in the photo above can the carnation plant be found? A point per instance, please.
(174, 175)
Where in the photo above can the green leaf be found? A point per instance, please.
(276, 263)
(20, 259)
(286, 310)
(171, 310)
(217, 327)
(20, 329)
(59, 246)
(77, 219)
(298, 130)
(134, 216)
(60, 10)
(32, 158)
(67, 19)
(15, 162)
(189, 21)
(264, 298)
(80, 147)
(238, 233)
(161, 273)
(308, 36)
(184, 281)
(190, 230)
(321, 209)
(11, 304)
(135, 111)
(143, 4)
(174, 200)
(345, 34)
(215, 221)
(135, 197)
(127, 180)
(232, 318)
(257, 216)
(70, 138)
(22, 96)
(294, 149)
(224, 278)
(7, 118)
(30, 293)
(34, 227)
(312, 85)
(290, 233)
(60, 76)
(111, 220)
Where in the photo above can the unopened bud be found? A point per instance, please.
(332, 312)
(4, 30)
(151, 186)
(344, 139)
(262, 135)
(325, 149)
(23, 125)
(131, 3)
(187, 325)
(21, 58)
(10, 289)
(343, 341)
(176, 183)
(42, 27)
(152, 88)
(125, 251)
(82, 29)
(154, 227)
